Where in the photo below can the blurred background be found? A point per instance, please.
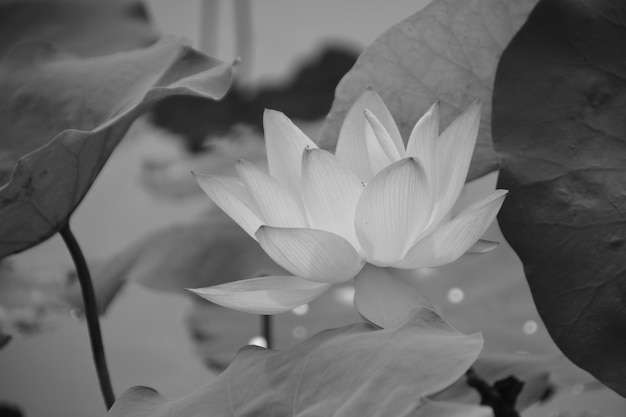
(174, 345)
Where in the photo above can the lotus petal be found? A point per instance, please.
(454, 151)
(263, 295)
(330, 193)
(350, 146)
(284, 142)
(450, 241)
(312, 254)
(422, 145)
(231, 195)
(384, 300)
(277, 206)
(392, 210)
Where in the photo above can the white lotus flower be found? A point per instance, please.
(374, 204)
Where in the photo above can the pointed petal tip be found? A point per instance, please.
(433, 110)
(199, 176)
(475, 106)
(482, 246)
(369, 93)
(271, 113)
(307, 152)
(417, 164)
(244, 164)
(499, 194)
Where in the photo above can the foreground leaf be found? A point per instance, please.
(351, 371)
(61, 117)
(559, 126)
(446, 52)
(495, 300)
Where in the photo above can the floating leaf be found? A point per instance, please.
(168, 176)
(211, 251)
(62, 116)
(30, 297)
(446, 52)
(83, 27)
(559, 126)
(351, 371)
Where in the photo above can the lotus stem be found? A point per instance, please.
(244, 38)
(266, 330)
(209, 26)
(91, 314)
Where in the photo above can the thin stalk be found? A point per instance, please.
(91, 315)
(244, 38)
(266, 330)
(501, 396)
(209, 26)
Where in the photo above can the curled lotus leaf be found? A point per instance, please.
(62, 116)
(446, 52)
(355, 370)
(80, 26)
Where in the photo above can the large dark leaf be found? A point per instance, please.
(559, 125)
(446, 52)
(351, 371)
(62, 116)
(83, 27)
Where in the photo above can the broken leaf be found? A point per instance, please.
(446, 52)
(351, 371)
(559, 127)
(62, 116)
